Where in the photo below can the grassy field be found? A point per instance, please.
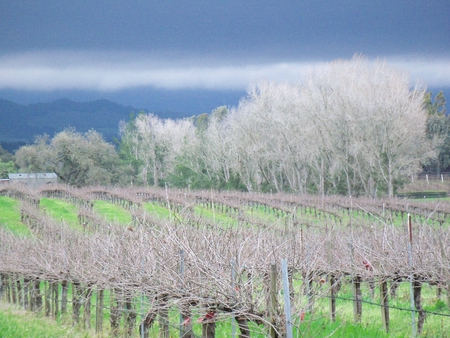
(60, 211)
(157, 210)
(10, 216)
(15, 323)
(112, 212)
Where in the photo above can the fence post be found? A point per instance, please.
(26, 292)
(114, 312)
(233, 290)
(55, 299)
(287, 300)
(384, 304)
(332, 298)
(76, 302)
(64, 291)
(357, 299)
(181, 328)
(411, 277)
(36, 296)
(99, 311)
(48, 294)
(273, 300)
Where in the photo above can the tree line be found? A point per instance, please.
(349, 127)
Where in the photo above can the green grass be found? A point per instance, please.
(16, 323)
(157, 210)
(318, 323)
(442, 199)
(215, 215)
(60, 211)
(10, 216)
(112, 212)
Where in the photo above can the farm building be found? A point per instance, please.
(33, 179)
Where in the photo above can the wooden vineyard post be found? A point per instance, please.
(357, 299)
(36, 297)
(76, 303)
(7, 288)
(411, 277)
(2, 286)
(233, 288)
(13, 287)
(448, 295)
(54, 299)
(384, 304)
(332, 298)
(48, 294)
(99, 311)
(185, 315)
(64, 291)
(287, 300)
(130, 316)
(114, 317)
(26, 293)
(273, 300)
(20, 292)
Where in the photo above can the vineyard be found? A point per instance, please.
(148, 262)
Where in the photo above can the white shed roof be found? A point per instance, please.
(32, 175)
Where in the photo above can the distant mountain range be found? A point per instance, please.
(19, 124)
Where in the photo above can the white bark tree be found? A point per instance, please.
(157, 143)
(353, 126)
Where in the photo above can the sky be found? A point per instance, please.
(193, 56)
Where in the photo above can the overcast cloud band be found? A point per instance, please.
(82, 71)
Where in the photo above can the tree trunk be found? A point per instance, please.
(130, 317)
(209, 329)
(87, 308)
(243, 327)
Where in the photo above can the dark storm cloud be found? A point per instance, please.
(213, 45)
(256, 29)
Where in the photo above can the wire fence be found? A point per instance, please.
(308, 301)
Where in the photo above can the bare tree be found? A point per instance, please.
(157, 143)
